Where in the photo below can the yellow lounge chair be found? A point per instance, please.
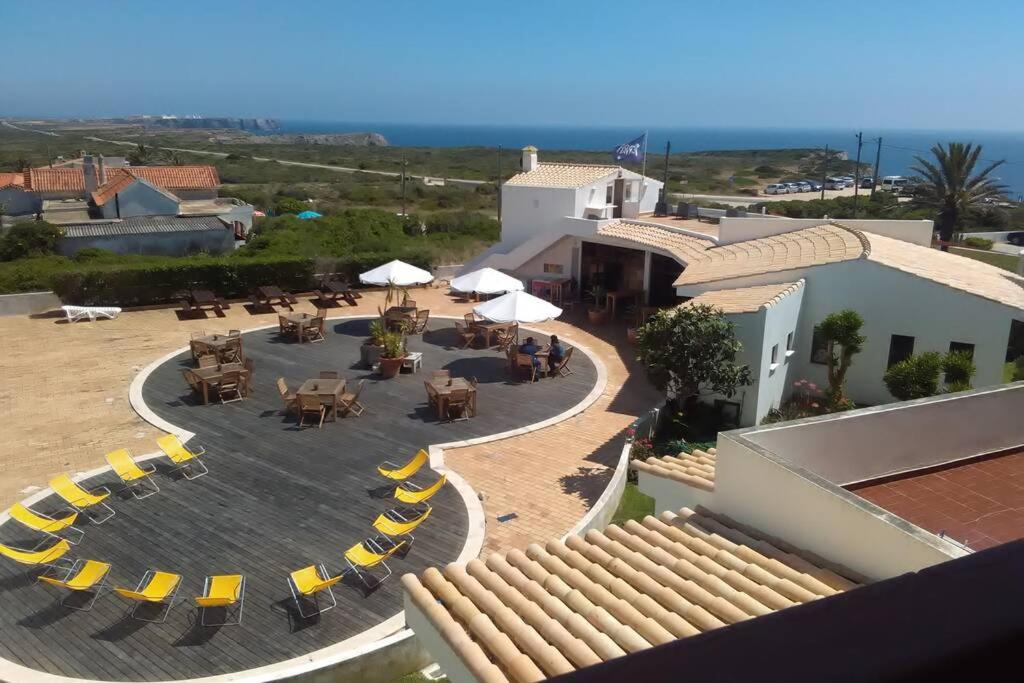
(156, 588)
(311, 581)
(390, 470)
(131, 474)
(369, 554)
(393, 524)
(222, 590)
(186, 460)
(46, 524)
(80, 499)
(84, 576)
(411, 494)
(37, 558)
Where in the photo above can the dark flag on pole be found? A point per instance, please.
(634, 150)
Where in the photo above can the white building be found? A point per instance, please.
(776, 278)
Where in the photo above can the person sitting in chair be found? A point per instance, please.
(529, 347)
(556, 352)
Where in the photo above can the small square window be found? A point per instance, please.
(901, 347)
(629, 191)
(553, 268)
(775, 354)
(789, 341)
(609, 194)
(962, 347)
(819, 348)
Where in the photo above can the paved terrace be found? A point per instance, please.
(64, 404)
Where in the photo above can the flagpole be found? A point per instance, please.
(643, 171)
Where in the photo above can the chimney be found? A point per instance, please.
(89, 173)
(102, 172)
(529, 161)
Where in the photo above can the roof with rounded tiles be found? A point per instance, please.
(568, 605)
(556, 174)
(686, 249)
(696, 469)
(745, 299)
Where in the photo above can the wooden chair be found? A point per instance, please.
(458, 405)
(314, 331)
(291, 402)
(286, 326)
(420, 324)
(562, 369)
(328, 374)
(193, 381)
(232, 352)
(208, 361)
(468, 335)
(525, 360)
(507, 337)
(349, 402)
(230, 384)
(311, 405)
(441, 375)
(431, 394)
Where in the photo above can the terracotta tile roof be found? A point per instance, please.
(173, 177)
(960, 272)
(17, 178)
(61, 179)
(568, 605)
(745, 299)
(696, 469)
(815, 246)
(686, 249)
(554, 174)
(105, 192)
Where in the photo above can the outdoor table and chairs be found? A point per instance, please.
(400, 317)
(304, 326)
(269, 295)
(226, 348)
(327, 391)
(332, 290)
(489, 329)
(201, 300)
(213, 376)
(441, 390)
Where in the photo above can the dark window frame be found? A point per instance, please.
(897, 354)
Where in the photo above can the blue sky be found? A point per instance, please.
(899, 64)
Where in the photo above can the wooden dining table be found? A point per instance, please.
(202, 299)
(332, 290)
(268, 295)
(211, 375)
(328, 390)
(218, 343)
(300, 320)
(400, 315)
(490, 328)
(444, 390)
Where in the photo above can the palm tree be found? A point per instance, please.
(951, 185)
(141, 155)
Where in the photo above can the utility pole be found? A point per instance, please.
(497, 184)
(403, 185)
(856, 173)
(664, 184)
(878, 159)
(824, 173)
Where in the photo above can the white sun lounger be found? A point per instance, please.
(75, 313)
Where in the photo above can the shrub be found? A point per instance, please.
(28, 238)
(914, 377)
(959, 368)
(289, 205)
(978, 243)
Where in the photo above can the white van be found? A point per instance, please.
(895, 183)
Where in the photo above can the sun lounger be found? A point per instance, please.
(84, 576)
(80, 499)
(222, 591)
(390, 470)
(76, 313)
(155, 588)
(131, 474)
(51, 526)
(185, 460)
(412, 494)
(369, 554)
(394, 524)
(310, 582)
(36, 558)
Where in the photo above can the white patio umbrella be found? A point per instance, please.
(487, 281)
(517, 307)
(396, 274)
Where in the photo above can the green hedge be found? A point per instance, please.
(155, 284)
(978, 243)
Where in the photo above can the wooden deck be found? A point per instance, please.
(277, 498)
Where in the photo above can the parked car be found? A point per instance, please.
(804, 186)
(776, 188)
(835, 184)
(794, 188)
(1016, 238)
(895, 183)
(848, 179)
(815, 186)
(867, 183)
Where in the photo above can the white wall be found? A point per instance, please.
(810, 513)
(560, 252)
(891, 302)
(780, 320)
(672, 495)
(737, 229)
(528, 211)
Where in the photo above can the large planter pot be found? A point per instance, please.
(597, 316)
(389, 367)
(369, 354)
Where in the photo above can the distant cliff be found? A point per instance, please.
(208, 123)
(354, 139)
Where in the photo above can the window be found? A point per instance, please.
(901, 348)
(609, 194)
(962, 347)
(629, 191)
(819, 348)
(553, 268)
(775, 359)
(789, 345)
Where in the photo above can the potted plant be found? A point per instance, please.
(597, 313)
(371, 349)
(393, 355)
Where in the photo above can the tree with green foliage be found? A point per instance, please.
(288, 205)
(692, 349)
(141, 155)
(28, 238)
(916, 376)
(841, 332)
(952, 186)
(959, 369)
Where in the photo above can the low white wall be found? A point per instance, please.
(600, 515)
(754, 486)
(754, 227)
(28, 303)
(669, 494)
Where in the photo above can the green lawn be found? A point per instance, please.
(634, 505)
(419, 678)
(994, 258)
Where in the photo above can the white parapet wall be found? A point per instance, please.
(669, 494)
(739, 229)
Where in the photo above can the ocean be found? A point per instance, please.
(898, 146)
